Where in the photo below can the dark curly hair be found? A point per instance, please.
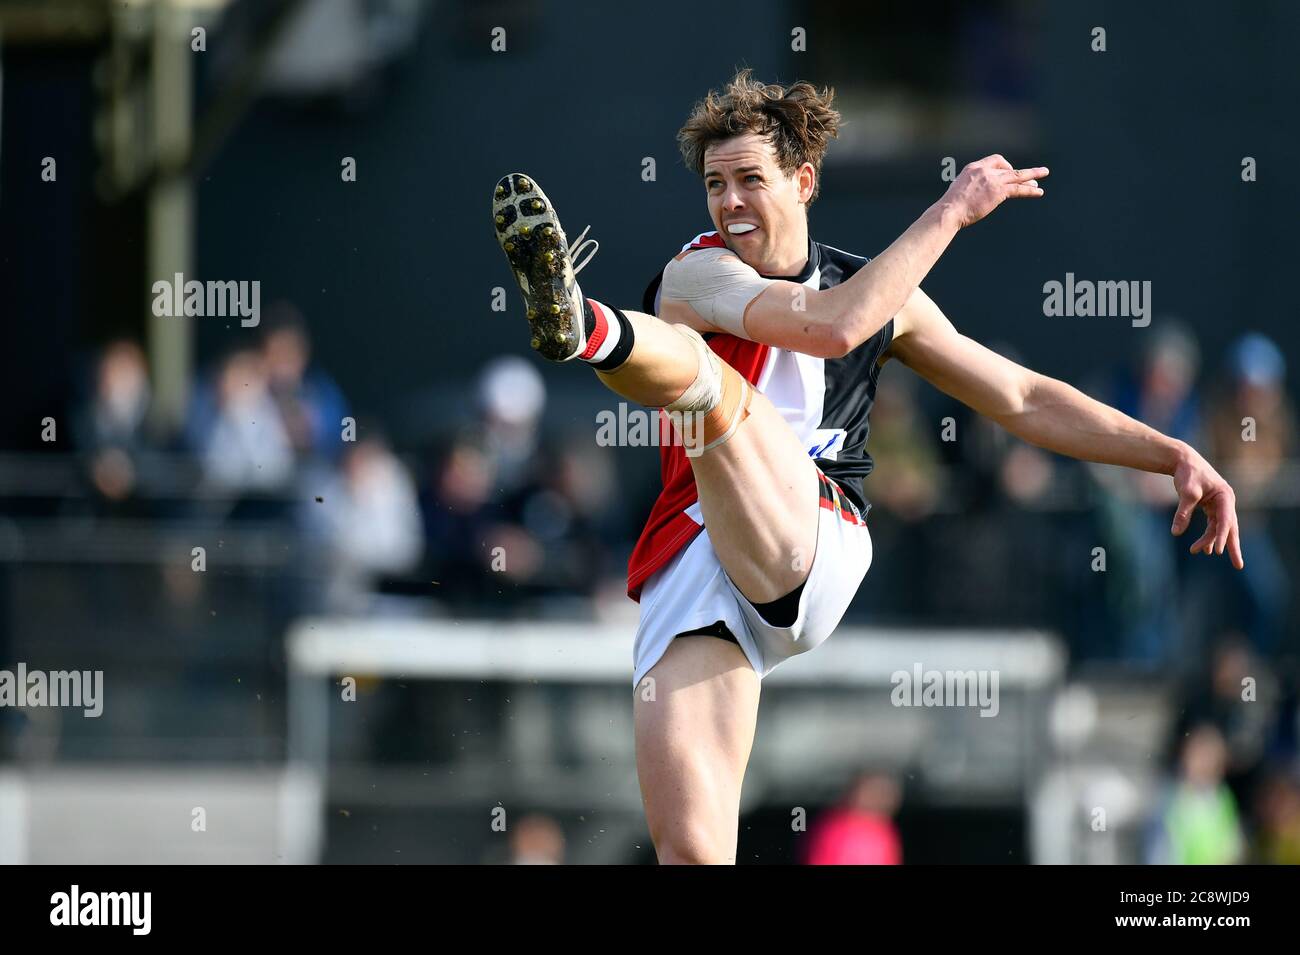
(798, 121)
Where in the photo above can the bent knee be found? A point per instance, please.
(686, 844)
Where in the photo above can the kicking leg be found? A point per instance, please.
(758, 488)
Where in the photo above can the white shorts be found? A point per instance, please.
(693, 591)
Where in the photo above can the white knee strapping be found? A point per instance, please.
(704, 396)
(705, 391)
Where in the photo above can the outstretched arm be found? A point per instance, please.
(1053, 415)
(830, 323)
(838, 320)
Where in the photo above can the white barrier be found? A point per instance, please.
(1029, 663)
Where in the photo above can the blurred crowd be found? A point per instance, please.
(1086, 550)
(1106, 571)
(1231, 792)
(505, 514)
(502, 510)
(493, 519)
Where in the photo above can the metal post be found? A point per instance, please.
(170, 227)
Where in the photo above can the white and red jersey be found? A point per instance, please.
(825, 401)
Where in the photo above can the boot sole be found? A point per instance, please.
(529, 233)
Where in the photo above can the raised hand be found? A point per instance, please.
(983, 185)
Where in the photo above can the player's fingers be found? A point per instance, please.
(1221, 538)
(1033, 172)
(1234, 547)
(1183, 516)
(1206, 544)
(1024, 190)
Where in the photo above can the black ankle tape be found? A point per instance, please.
(624, 347)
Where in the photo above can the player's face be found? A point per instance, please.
(755, 206)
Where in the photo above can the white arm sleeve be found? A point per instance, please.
(717, 285)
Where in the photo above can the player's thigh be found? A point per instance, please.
(759, 499)
(694, 733)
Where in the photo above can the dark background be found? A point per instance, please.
(395, 271)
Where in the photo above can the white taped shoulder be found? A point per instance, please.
(716, 284)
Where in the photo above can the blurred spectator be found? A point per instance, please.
(545, 539)
(235, 429)
(1252, 435)
(992, 465)
(1277, 812)
(477, 540)
(1160, 392)
(1237, 693)
(511, 396)
(860, 830)
(310, 403)
(369, 516)
(458, 507)
(968, 480)
(560, 516)
(1197, 822)
(112, 429)
(908, 483)
(1252, 429)
(536, 840)
(1135, 508)
(1026, 475)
